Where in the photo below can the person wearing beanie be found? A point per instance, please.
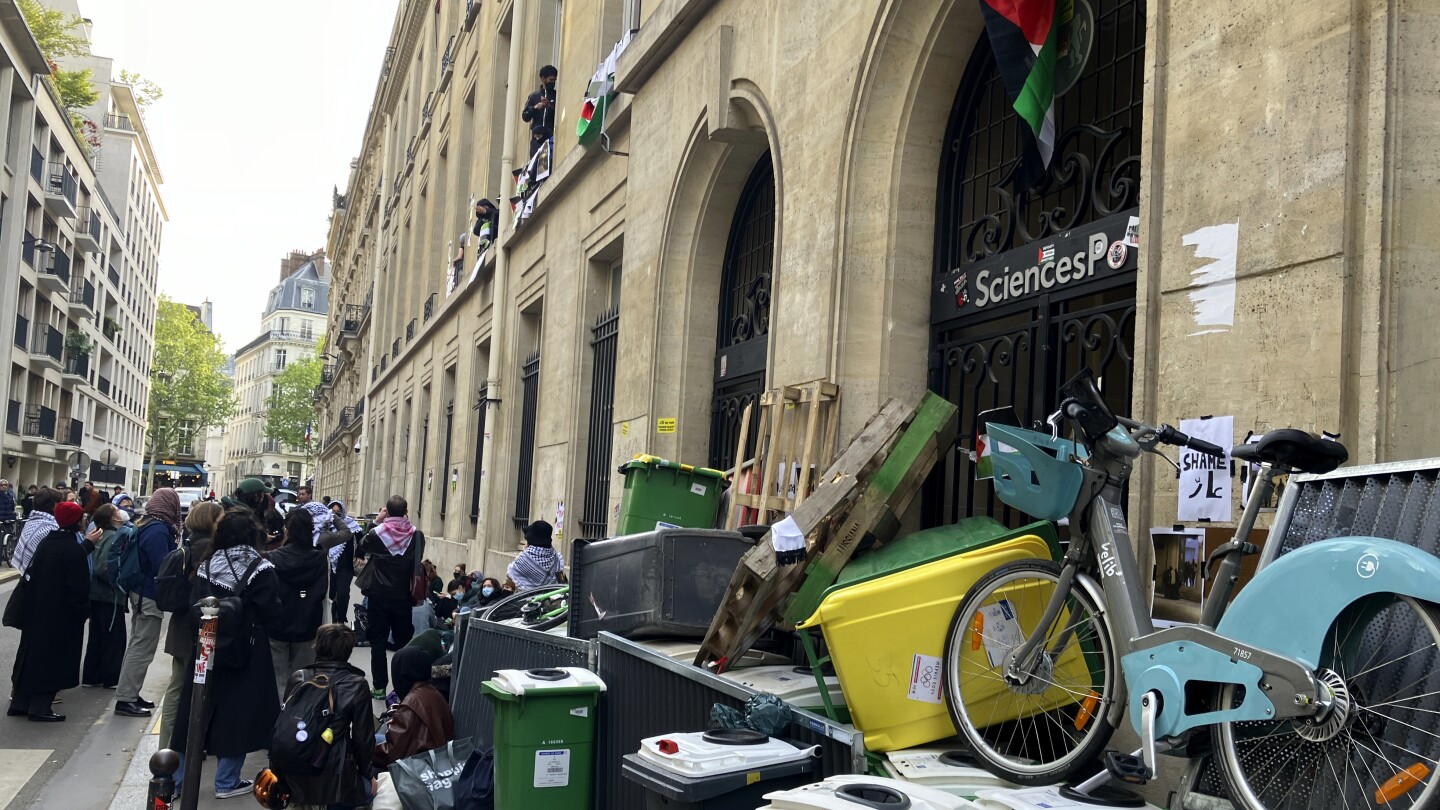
(255, 496)
(539, 563)
(54, 604)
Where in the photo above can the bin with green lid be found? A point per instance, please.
(544, 737)
(664, 494)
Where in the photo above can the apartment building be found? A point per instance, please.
(790, 192)
(290, 329)
(80, 228)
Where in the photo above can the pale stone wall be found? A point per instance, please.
(1315, 141)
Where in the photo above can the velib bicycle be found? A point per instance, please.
(1317, 686)
(9, 537)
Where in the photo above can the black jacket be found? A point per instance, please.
(304, 574)
(540, 117)
(392, 573)
(347, 762)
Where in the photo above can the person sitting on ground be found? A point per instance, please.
(343, 782)
(487, 593)
(435, 584)
(52, 618)
(539, 563)
(421, 721)
(302, 571)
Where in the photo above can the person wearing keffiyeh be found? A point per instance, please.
(39, 523)
(342, 565)
(539, 564)
(391, 548)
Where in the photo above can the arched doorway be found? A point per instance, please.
(743, 323)
(1032, 285)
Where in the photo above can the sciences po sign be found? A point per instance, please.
(1057, 263)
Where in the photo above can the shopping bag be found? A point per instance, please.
(427, 780)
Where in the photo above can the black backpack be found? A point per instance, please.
(233, 636)
(297, 745)
(172, 583)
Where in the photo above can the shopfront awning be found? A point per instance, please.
(180, 469)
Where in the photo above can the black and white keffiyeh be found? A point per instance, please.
(227, 566)
(38, 526)
(535, 567)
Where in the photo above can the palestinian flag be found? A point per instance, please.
(598, 94)
(1025, 36)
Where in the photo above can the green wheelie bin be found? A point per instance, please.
(663, 494)
(544, 737)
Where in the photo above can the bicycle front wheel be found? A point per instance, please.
(1044, 729)
(1377, 745)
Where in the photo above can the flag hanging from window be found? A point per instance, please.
(598, 94)
(1025, 36)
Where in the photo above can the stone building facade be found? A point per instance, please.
(826, 190)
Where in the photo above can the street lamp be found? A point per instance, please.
(40, 245)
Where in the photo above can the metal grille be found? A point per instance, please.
(1021, 354)
(445, 465)
(530, 401)
(647, 694)
(482, 402)
(424, 459)
(744, 322)
(604, 341)
(488, 647)
(1095, 170)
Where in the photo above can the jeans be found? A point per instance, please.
(145, 621)
(388, 618)
(227, 773)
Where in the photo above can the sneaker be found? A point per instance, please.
(378, 694)
(242, 789)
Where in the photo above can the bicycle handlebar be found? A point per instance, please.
(1170, 435)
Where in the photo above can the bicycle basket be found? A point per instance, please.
(1033, 472)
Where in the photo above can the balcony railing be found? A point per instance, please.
(48, 341)
(104, 385)
(291, 334)
(395, 348)
(78, 365)
(40, 422)
(472, 11)
(72, 432)
(109, 328)
(83, 296)
(327, 374)
(430, 307)
(22, 332)
(354, 316)
(114, 275)
(87, 226)
(12, 416)
(55, 269)
(447, 61)
(119, 122)
(410, 331)
(62, 183)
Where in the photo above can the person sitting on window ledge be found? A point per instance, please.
(540, 106)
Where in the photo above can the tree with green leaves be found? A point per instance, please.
(146, 92)
(290, 410)
(188, 382)
(57, 34)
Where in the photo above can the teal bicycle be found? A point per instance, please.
(1318, 686)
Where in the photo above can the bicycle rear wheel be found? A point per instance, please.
(1042, 731)
(1379, 744)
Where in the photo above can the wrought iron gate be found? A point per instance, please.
(529, 405)
(482, 403)
(743, 328)
(604, 340)
(1033, 284)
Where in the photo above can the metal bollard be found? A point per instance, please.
(163, 765)
(195, 735)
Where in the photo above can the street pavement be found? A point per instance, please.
(95, 759)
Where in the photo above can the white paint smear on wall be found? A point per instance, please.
(1213, 296)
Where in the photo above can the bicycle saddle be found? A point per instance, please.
(1296, 449)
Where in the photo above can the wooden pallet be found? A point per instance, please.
(811, 410)
(860, 495)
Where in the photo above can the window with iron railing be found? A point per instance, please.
(529, 407)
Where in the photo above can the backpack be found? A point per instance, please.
(475, 790)
(124, 565)
(297, 747)
(233, 639)
(102, 570)
(172, 584)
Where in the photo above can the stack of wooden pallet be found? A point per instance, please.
(859, 499)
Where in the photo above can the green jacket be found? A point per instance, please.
(102, 586)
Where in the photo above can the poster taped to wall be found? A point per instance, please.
(1205, 484)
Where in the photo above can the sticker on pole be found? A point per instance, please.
(1001, 631)
(552, 768)
(205, 653)
(924, 679)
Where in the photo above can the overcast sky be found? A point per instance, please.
(265, 104)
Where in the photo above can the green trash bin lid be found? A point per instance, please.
(645, 462)
(509, 684)
(938, 543)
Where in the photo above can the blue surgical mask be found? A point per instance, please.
(487, 590)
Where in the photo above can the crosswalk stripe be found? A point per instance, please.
(17, 765)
